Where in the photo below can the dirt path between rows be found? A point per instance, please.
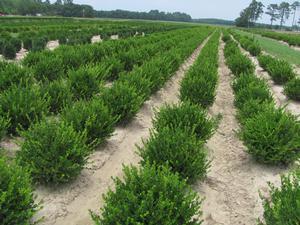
(69, 205)
(231, 188)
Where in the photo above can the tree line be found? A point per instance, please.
(277, 12)
(68, 9)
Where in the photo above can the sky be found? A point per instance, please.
(222, 9)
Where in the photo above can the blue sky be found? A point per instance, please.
(223, 9)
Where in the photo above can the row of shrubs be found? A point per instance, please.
(110, 57)
(175, 150)
(55, 150)
(280, 71)
(204, 73)
(37, 40)
(271, 135)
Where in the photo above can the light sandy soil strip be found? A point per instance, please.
(231, 188)
(69, 205)
(51, 45)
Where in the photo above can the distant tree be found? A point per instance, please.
(272, 11)
(284, 12)
(47, 2)
(294, 8)
(67, 2)
(251, 14)
(58, 2)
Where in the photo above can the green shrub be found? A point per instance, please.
(272, 136)
(239, 63)
(141, 84)
(11, 74)
(38, 44)
(59, 92)
(4, 124)
(178, 149)
(150, 196)
(23, 105)
(292, 89)
(9, 51)
(185, 116)
(254, 91)
(251, 108)
(283, 205)
(244, 80)
(93, 117)
(122, 100)
(27, 43)
(16, 195)
(280, 71)
(17, 43)
(226, 37)
(254, 49)
(265, 60)
(84, 84)
(49, 69)
(53, 151)
(199, 88)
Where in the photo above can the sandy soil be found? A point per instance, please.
(69, 205)
(96, 39)
(114, 37)
(21, 54)
(231, 188)
(51, 45)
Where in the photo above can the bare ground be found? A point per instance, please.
(51, 45)
(232, 187)
(69, 205)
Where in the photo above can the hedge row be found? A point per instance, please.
(87, 123)
(280, 71)
(199, 85)
(36, 39)
(270, 134)
(157, 193)
(55, 150)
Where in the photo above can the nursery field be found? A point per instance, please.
(169, 123)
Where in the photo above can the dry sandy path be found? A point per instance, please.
(231, 188)
(69, 205)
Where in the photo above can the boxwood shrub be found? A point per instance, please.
(84, 83)
(150, 196)
(178, 149)
(53, 151)
(185, 116)
(23, 105)
(283, 206)
(254, 91)
(239, 63)
(9, 51)
(199, 88)
(272, 136)
(48, 69)
(16, 195)
(280, 71)
(292, 89)
(60, 95)
(123, 101)
(94, 117)
(11, 74)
